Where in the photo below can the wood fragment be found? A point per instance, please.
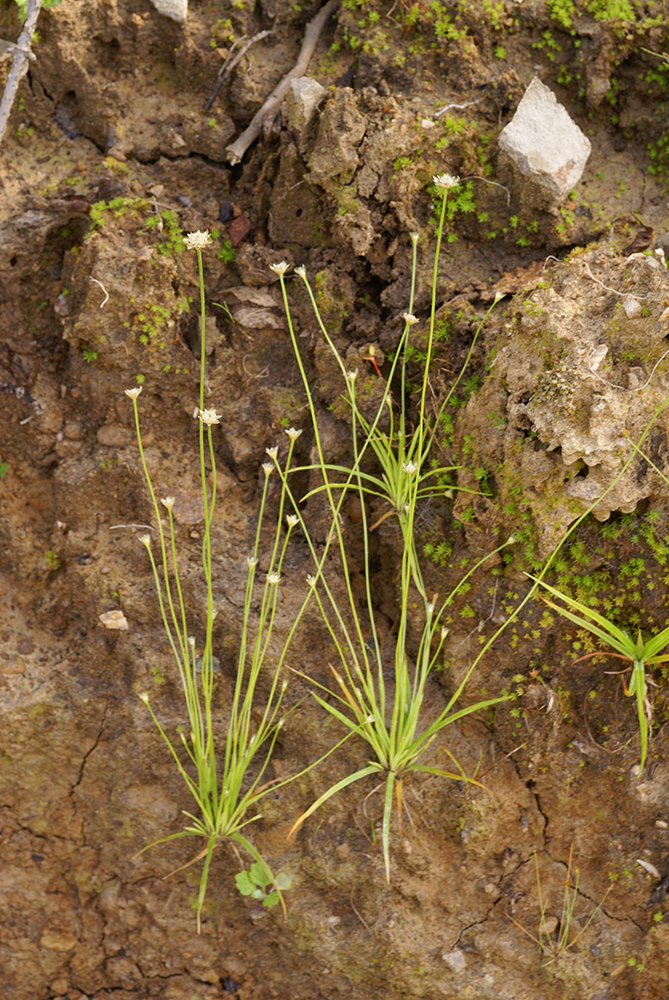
(313, 32)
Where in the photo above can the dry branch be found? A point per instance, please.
(313, 32)
(22, 57)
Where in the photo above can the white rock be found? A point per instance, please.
(632, 308)
(545, 144)
(302, 102)
(455, 960)
(114, 620)
(175, 9)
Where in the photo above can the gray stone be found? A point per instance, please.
(177, 10)
(545, 144)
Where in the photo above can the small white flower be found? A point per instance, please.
(409, 468)
(272, 452)
(145, 540)
(499, 296)
(292, 520)
(209, 417)
(198, 240)
(273, 578)
(511, 540)
(144, 696)
(133, 393)
(445, 181)
(409, 319)
(293, 434)
(279, 268)
(444, 633)
(414, 237)
(352, 375)
(267, 468)
(311, 580)
(251, 561)
(430, 608)
(167, 502)
(301, 271)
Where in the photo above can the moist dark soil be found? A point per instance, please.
(115, 149)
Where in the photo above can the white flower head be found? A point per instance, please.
(444, 633)
(144, 696)
(499, 296)
(511, 540)
(251, 561)
(145, 540)
(301, 271)
(191, 641)
(352, 375)
(209, 417)
(414, 237)
(446, 181)
(167, 502)
(273, 578)
(409, 468)
(198, 240)
(272, 452)
(293, 434)
(267, 468)
(292, 520)
(311, 580)
(279, 268)
(134, 392)
(430, 608)
(409, 319)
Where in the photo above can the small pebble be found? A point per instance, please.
(632, 308)
(225, 211)
(115, 620)
(183, 200)
(455, 960)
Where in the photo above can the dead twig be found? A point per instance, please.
(230, 63)
(359, 915)
(313, 31)
(23, 56)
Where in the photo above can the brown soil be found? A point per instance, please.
(113, 109)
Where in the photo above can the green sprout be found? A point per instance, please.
(638, 653)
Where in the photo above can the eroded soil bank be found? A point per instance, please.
(109, 158)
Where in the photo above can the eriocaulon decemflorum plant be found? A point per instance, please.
(226, 781)
(388, 715)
